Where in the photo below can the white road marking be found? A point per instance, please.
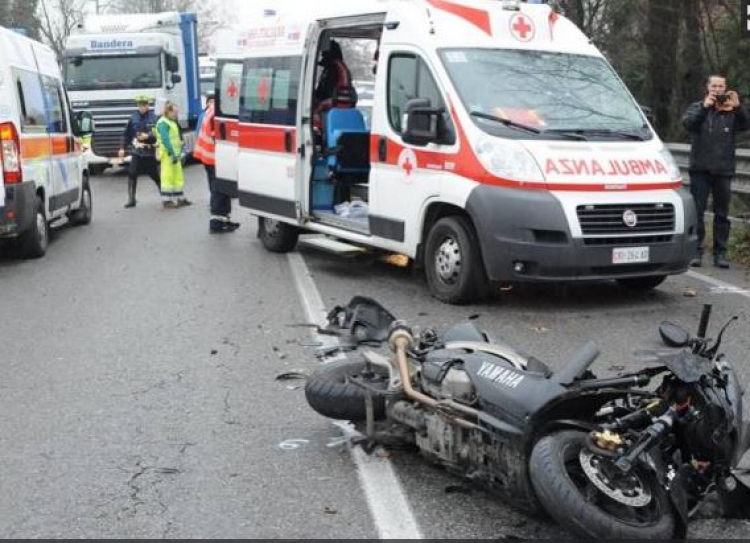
(386, 499)
(721, 287)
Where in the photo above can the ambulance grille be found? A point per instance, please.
(608, 219)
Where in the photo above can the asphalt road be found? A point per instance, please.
(139, 396)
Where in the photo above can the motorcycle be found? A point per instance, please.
(607, 458)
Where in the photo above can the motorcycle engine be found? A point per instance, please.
(443, 377)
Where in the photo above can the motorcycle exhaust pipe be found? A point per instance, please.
(401, 340)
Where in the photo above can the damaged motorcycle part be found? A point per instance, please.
(363, 319)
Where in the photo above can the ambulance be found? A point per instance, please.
(44, 175)
(502, 147)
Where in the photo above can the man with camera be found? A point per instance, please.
(713, 124)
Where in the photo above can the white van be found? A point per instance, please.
(43, 171)
(502, 147)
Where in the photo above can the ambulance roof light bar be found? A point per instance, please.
(511, 5)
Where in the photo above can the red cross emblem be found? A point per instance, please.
(408, 166)
(264, 90)
(232, 90)
(407, 163)
(522, 28)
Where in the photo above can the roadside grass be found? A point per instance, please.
(739, 244)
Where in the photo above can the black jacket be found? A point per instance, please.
(714, 137)
(141, 123)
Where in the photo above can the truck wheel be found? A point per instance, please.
(276, 236)
(453, 265)
(33, 243)
(642, 284)
(330, 392)
(570, 496)
(83, 214)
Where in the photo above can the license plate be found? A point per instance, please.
(630, 255)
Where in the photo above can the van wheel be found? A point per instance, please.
(276, 236)
(97, 169)
(453, 265)
(642, 284)
(83, 214)
(33, 243)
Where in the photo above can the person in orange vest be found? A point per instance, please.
(205, 152)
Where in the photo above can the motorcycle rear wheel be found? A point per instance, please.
(330, 392)
(575, 502)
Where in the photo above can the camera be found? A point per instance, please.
(721, 98)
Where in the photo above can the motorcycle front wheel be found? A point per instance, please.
(591, 498)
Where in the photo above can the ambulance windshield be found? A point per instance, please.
(557, 94)
(113, 72)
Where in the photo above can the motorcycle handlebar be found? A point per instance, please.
(578, 364)
(705, 316)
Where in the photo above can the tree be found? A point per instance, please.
(57, 20)
(20, 14)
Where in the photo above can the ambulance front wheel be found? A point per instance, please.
(277, 237)
(453, 263)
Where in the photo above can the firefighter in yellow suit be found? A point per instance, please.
(170, 155)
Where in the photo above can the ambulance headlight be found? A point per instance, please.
(673, 170)
(508, 160)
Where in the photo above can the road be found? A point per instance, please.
(140, 400)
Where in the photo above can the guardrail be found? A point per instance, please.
(741, 181)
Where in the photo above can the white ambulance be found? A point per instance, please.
(502, 147)
(42, 167)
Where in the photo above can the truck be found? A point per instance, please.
(111, 59)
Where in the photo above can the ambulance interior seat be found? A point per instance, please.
(348, 141)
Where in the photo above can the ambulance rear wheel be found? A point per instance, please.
(453, 263)
(276, 236)
(33, 243)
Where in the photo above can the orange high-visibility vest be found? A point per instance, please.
(205, 146)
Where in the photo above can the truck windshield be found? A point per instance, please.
(113, 72)
(559, 95)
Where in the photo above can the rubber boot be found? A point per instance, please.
(131, 192)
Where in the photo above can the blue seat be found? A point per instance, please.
(348, 144)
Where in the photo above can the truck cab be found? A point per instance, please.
(112, 59)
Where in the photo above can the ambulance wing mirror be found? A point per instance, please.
(421, 122)
(176, 78)
(83, 124)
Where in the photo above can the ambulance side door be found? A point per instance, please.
(35, 141)
(226, 124)
(404, 176)
(64, 162)
(268, 136)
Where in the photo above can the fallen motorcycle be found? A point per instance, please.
(608, 458)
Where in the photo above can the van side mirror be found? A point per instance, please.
(83, 124)
(176, 78)
(173, 63)
(422, 121)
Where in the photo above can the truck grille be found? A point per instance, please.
(107, 143)
(608, 219)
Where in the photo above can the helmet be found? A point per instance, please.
(143, 99)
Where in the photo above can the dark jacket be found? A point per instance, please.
(713, 137)
(141, 123)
